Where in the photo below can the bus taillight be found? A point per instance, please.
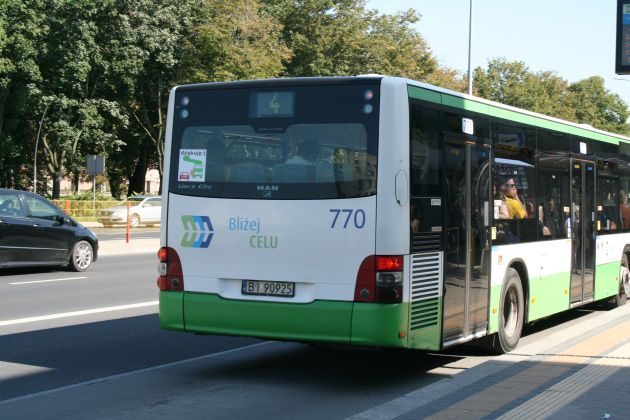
(170, 269)
(380, 279)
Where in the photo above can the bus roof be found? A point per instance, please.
(497, 109)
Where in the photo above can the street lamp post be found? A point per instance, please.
(470, 79)
(39, 130)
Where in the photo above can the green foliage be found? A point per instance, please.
(79, 77)
(585, 102)
(83, 208)
(234, 41)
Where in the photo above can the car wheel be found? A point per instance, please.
(82, 256)
(134, 220)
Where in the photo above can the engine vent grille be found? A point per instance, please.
(426, 289)
(425, 242)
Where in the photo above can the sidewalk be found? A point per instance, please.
(579, 373)
(121, 246)
(134, 246)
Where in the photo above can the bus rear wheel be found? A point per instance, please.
(624, 283)
(511, 313)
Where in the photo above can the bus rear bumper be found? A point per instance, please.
(320, 321)
(336, 322)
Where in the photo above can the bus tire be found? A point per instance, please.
(511, 313)
(624, 283)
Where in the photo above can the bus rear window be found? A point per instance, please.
(304, 143)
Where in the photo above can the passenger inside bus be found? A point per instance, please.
(624, 209)
(515, 208)
(307, 153)
(502, 211)
(550, 219)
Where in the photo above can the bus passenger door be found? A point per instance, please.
(466, 242)
(581, 221)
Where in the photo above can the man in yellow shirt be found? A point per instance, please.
(515, 208)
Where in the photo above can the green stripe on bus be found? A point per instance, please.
(365, 324)
(319, 321)
(548, 295)
(172, 311)
(462, 103)
(424, 94)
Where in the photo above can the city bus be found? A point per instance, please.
(392, 232)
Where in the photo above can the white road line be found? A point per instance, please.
(133, 372)
(45, 281)
(77, 313)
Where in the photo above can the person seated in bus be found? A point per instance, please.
(624, 209)
(415, 219)
(515, 208)
(501, 211)
(307, 153)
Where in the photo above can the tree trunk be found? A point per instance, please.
(75, 181)
(57, 177)
(137, 181)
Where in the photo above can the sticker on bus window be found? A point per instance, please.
(192, 165)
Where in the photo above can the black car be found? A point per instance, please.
(35, 232)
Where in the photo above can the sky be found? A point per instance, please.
(575, 39)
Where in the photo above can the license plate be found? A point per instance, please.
(268, 288)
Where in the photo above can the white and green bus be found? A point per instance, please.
(369, 211)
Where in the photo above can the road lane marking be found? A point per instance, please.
(77, 313)
(134, 372)
(46, 281)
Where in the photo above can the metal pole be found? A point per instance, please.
(94, 189)
(39, 130)
(470, 77)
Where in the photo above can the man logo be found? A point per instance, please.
(197, 231)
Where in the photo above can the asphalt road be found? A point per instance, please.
(58, 327)
(94, 338)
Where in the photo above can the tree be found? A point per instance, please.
(341, 37)
(234, 41)
(586, 102)
(392, 47)
(21, 35)
(70, 102)
(448, 79)
(597, 106)
(158, 31)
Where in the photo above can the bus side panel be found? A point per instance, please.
(380, 325)
(609, 251)
(320, 321)
(172, 311)
(606, 280)
(547, 266)
(427, 335)
(167, 165)
(548, 295)
(392, 227)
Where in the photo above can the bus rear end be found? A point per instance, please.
(270, 210)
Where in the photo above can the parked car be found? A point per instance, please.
(35, 232)
(144, 210)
